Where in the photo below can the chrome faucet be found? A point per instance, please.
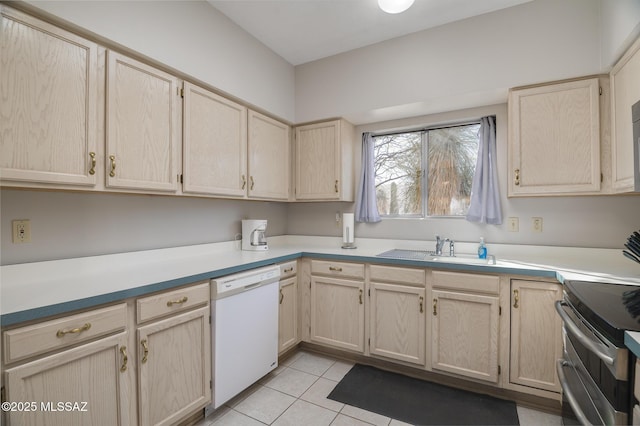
(440, 242)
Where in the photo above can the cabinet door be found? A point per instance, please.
(397, 322)
(337, 313)
(318, 161)
(215, 144)
(174, 368)
(288, 314)
(465, 334)
(625, 91)
(48, 87)
(142, 131)
(269, 159)
(554, 139)
(536, 334)
(94, 378)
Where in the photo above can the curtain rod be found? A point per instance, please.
(426, 129)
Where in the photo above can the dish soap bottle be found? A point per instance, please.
(482, 249)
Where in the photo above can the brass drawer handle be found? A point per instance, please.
(244, 181)
(62, 333)
(92, 170)
(125, 359)
(112, 172)
(177, 302)
(435, 306)
(335, 269)
(421, 304)
(360, 296)
(281, 296)
(252, 182)
(145, 350)
(517, 177)
(287, 270)
(516, 298)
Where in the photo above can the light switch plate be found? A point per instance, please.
(536, 223)
(513, 224)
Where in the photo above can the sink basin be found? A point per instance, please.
(465, 259)
(408, 254)
(428, 255)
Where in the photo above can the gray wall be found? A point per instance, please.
(68, 224)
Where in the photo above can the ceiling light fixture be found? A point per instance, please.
(395, 6)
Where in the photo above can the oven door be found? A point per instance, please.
(593, 374)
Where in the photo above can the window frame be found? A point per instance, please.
(424, 158)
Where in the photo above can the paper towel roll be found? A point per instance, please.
(347, 228)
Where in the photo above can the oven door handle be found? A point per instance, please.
(566, 391)
(598, 349)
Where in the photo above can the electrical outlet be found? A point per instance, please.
(21, 231)
(513, 224)
(338, 219)
(536, 223)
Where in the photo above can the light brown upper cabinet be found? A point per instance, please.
(554, 138)
(142, 137)
(214, 144)
(269, 159)
(48, 113)
(324, 161)
(625, 91)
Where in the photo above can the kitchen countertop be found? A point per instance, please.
(35, 290)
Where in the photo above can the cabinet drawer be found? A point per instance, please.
(391, 274)
(170, 302)
(466, 282)
(288, 269)
(62, 332)
(337, 269)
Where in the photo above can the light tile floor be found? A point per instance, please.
(295, 394)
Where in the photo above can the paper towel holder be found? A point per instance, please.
(348, 240)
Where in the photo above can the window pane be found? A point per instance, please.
(398, 162)
(452, 155)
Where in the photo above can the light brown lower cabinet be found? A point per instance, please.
(81, 369)
(464, 324)
(536, 334)
(288, 314)
(337, 312)
(397, 322)
(173, 369)
(87, 385)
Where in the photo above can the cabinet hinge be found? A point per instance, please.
(210, 384)
(499, 310)
(3, 397)
(600, 90)
(180, 178)
(499, 370)
(369, 342)
(369, 292)
(601, 178)
(209, 319)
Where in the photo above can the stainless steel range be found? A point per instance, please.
(596, 371)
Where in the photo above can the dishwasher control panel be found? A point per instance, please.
(233, 284)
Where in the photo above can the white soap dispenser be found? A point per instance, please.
(482, 249)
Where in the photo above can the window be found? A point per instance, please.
(447, 154)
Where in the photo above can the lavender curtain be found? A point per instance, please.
(366, 203)
(485, 192)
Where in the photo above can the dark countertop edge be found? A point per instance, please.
(94, 301)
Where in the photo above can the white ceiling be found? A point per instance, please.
(301, 31)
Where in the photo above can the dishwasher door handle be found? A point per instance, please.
(599, 349)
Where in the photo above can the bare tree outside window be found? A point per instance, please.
(447, 154)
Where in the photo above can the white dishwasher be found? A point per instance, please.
(244, 309)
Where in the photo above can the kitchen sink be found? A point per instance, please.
(429, 255)
(408, 254)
